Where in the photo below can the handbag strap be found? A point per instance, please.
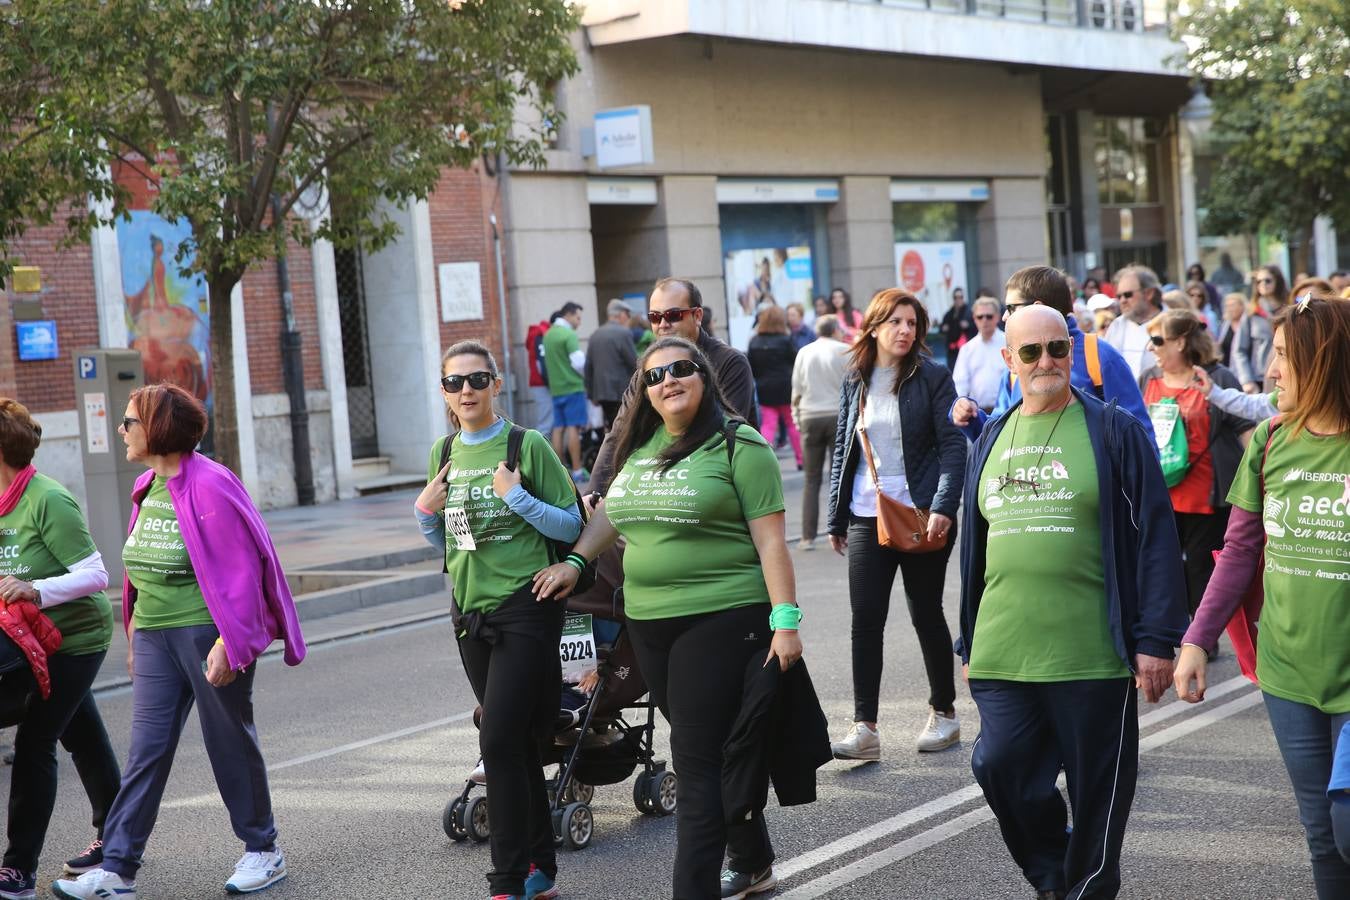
(866, 443)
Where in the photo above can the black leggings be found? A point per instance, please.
(871, 574)
(1201, 534)
(695, 667)
(516, 680)
(70, 715)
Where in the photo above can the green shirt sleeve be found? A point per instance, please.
(1246, 490)
(63, 528)
(755, 474)
(543, 473)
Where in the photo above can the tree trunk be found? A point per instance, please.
(1301, 256)
(225, 413)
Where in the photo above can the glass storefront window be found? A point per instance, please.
(1126, 156)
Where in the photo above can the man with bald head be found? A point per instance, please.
(1072, 600)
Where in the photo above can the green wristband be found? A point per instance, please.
(574, 563)
(785, 616)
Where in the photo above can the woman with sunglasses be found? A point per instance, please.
(203, 596)
(1291, 499)
(50, 573)
(1197, 300)
(706, 568)
(900, 397)
(1251, 349)
(495, 525)
(1180, 343)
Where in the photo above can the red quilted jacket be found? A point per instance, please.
(36, 636)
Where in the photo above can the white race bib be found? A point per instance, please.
(577, 647)
(457, 520)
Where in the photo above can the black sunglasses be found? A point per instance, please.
(1031, 353)
(128, 421)
(479, 381)
(982, 317)
(1125, 295)
(1157, 340)
(680, 368)
(670, 315)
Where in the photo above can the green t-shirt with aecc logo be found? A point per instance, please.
(167, 592)
(560, 342)
(491, 551)
(1043, 614)
(689, 549)
(1303, 653)
(42, 537)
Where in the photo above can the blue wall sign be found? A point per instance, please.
(37, 340)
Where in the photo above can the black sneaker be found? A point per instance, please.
(17, 885)
(736, 885)
(91, 858)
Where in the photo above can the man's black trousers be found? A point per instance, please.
(1028, 732)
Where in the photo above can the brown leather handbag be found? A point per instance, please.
(899, 526)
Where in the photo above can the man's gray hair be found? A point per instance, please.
(986, 301)
(617, 306)
(1148, 280)
(827, 326)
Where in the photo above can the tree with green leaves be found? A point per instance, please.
(1277, 73)
(237, 108)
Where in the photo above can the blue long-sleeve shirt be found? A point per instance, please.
(552, 522)
(1118, 383)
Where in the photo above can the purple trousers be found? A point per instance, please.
(168, 680)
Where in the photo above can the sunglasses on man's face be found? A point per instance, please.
(1031, 353)
(680, 368)
(479, 381)
(984, 317)
(1126, 295)
(671, 316)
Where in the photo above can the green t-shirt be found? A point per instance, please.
(496, 551)
(1304, 650)
(1043, 614)
(689, 548)
(42, 537)
(167, 593)
(560, 342)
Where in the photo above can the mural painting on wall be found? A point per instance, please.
(167, 312)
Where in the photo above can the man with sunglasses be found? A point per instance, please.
(980, 370)
(1140, 299)
(1072, 600)
(1110, 379)
(675, 309)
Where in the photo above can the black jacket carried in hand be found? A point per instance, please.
(780, 735)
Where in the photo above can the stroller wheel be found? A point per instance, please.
(476, 819)
(642, 793)
(577, 826)
(452, 820)
(663, 793)
(579, 792)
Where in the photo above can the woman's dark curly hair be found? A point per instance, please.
(638, 427)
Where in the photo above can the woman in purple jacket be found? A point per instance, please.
(204, 595)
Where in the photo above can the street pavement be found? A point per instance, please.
(369, 737)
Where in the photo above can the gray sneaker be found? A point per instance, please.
(738, 885)
(862, 743)
(940, 732)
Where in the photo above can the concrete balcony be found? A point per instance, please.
(1123, 36)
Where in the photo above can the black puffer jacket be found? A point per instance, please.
(771, 358)
(934, 450)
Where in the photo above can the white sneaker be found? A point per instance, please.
(96, 884)
(940, 732)
(256, 871)
(479, 774)
(862, 743)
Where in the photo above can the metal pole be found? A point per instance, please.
(292, 367)
(501, 314)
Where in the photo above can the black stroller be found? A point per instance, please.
(594, 745)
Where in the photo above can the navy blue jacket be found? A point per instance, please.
(934, 451)
(1141, 555)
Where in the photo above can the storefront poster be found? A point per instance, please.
(931, 271)
(167, 312)
(778, 275)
